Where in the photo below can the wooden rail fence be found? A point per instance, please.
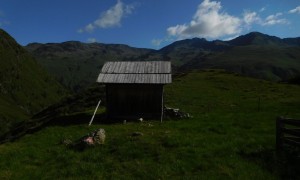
(287, 132)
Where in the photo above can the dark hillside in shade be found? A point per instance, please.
(25, 87)
(76, 65)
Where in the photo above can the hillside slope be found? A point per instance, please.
(76, 65)
(231, 136)
(258, 55)
(263, 62)
(255, 54)
(25, 88)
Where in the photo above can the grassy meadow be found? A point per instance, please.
(231, 136)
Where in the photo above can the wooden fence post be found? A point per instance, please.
(279, 133)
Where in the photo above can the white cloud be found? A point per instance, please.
(208, 22)
(296, 10)
(262, 9)
(110, 18)
(91, 40)
(274, 19)
(251, 17)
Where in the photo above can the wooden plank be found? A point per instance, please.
(135, 78)
(148, 67)
(108, 78)
(136, 67)
(148, 70)
(160, 67)
(168, 67)
(120, 68)
(162, 78)
(128, 67)
(293, 132)
(105, 67)
(108, 67)
(153, 78)
(123, 67)
(157, 67)
(291, 142)
(297, 139)
(114, 67)
(130, 78)
(153, 63)
(111, 67)
(117, 67)
(142, 78)
(143, 71)
(292, 122)
(127, 78)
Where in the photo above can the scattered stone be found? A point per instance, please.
(175, 113)
(140, 119)
(99, 136)
(95, 138)
(137, 134)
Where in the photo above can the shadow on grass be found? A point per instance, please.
(37, 124)
(78, 119)
(284, 164)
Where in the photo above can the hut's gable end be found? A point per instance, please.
(135, 89)
(134, 100)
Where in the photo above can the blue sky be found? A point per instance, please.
(146, 23)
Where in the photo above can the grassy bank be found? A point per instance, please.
(231, 135)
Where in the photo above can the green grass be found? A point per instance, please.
(230, 136)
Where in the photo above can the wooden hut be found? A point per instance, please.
(134, 89)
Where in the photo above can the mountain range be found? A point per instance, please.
(38, 76)
(76, 64)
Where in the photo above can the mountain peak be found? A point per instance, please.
(8, 42)
(256, 38)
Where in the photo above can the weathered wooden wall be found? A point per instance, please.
(132, 101)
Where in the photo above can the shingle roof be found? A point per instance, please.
(146, 72)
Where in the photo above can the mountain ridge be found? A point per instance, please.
(76, 64)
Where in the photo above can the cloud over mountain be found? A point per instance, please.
(208, 22)
(109, 18)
